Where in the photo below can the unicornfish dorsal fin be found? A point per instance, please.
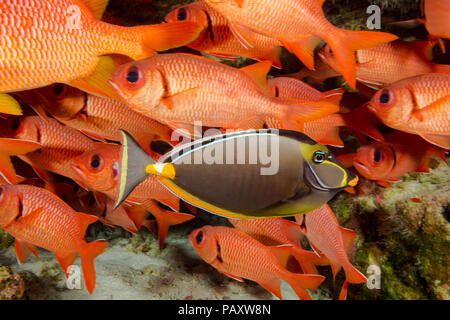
(132, 168)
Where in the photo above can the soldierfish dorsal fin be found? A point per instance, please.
(258, 72)
(97, 7)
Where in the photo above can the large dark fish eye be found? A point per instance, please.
(14, 124)
(58, 89)
(95, 162)
(199, 237)
(319, 157)
(384, 96)
(133, 75)
(182, 15)
(377, 156)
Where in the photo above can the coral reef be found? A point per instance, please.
(408, 240)
(12, 286)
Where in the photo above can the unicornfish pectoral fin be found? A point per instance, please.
(133, 163)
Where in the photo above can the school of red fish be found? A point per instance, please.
(70, 82)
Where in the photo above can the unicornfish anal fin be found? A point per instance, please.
(133, 163)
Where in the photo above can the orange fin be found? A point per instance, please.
(165, 36)
(383, 184)
(23, 250)
(282, 253)
(88, 252)
(306, 111)
(224, 56)
(438, 140)
(258, 72)
(301, 282)
(348, 236)
(344, 290)
(9, 105)
(348, 42)
(97, 83)
(66, 261)
(233, 277)
(346, 159)
(274, 57)
(364, 121)
(243, 34)
(97, 7)
(165, 219)
(303, 48)
(10, 147)
(273, 287)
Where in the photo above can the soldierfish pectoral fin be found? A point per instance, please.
(23, 250)
(97, 83)
(243, 34)
(258, 72)
(133, 163)
(10, 147)
(438, 140)
(9, 105)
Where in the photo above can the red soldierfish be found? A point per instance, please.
(237, 255)
(299, 25)
(179, 89)
(328, 238)
(35, 217)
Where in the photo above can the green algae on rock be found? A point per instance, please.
(6, 239)
(409, 241)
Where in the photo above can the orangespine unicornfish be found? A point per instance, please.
(246, 174)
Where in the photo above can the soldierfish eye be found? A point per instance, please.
(377, 156)
(182, 14)
(199, 237)
(14, 124)
(95, 162)
(58, 90)
(133, 77)
(384, 96)
(318, 157)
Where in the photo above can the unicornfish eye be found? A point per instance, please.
(384, 97)
(318, 157)
(181, 16)
(199, 237)
(132, 75)
(377, 155)
(95, 162)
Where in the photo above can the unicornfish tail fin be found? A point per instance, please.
(133, 163)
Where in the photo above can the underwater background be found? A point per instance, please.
(408, 240)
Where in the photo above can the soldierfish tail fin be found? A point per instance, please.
(133, 163)
(353, 275)
(88, 252)
(9, 105)
(348, 42)
(307, 260)
(441, 68)
(295, 111)
(344, 290)
(165, 36)
(301, 282)
(165, 219)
